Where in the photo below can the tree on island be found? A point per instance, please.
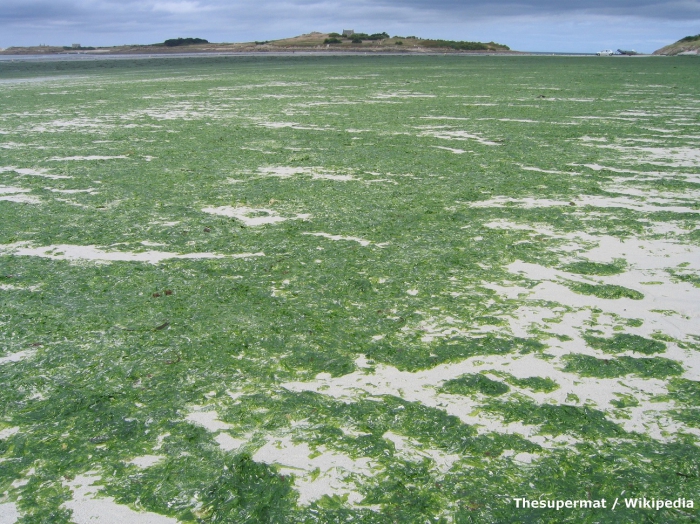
(174, 42)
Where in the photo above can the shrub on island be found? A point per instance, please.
(174, 42)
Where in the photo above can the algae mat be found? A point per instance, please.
(350, 289)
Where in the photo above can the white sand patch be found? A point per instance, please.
(644, 254)
(316, 173)
(451, 150)
(8, 432)
(327, 176)
(661, 156)
(433, 329)
(179, 110)
(207, 419)
(146, 461)
(292, 125)
(257, 149)
(530, 315)
(421, 387)
(360, 241)
(584, 200)
(7, 190)
(521, 120)
(22, 199)
(598, 167)
(523, 457)
(9, 513)
(626, 119)
(540, 229)
(90, 510)
(91, 157)
(401, 94)
(258, 86)
(160, 440)
(80, 124)
(412, 450)
(72, 203)
(18, 356)
(12, 287)
(317, 472)
(260, 216)
(444, 118)
(446, 134)
(32, 172)
(644, 175)
(648, 260)
(89, 191)
(228, 443)
(679, 326)
(285, 452)
(551, 171)
(96, 254)
(559, 99)
(661, 130)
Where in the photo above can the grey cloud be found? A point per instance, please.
(78, 12)
(102, 16)
(680, 9)
(521, 23)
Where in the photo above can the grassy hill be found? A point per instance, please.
(306, 42)
(412, 43)
(687, 45)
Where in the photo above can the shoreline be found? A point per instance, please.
(69, 56)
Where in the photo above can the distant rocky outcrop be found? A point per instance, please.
(690, 45)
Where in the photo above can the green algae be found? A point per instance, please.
(685, 276)
(607, 291)
(248, 492)
(536, 384)
(625, 342)
(475, 383)
(588, 366)
(625, 401)
(556, 419)
(684, 391)
(596, 268)
(413, 359)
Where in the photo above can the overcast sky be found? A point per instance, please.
(526, 25)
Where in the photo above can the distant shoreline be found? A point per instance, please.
(73, 56)
(164, 52)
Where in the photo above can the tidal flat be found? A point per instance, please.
(349, 289)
